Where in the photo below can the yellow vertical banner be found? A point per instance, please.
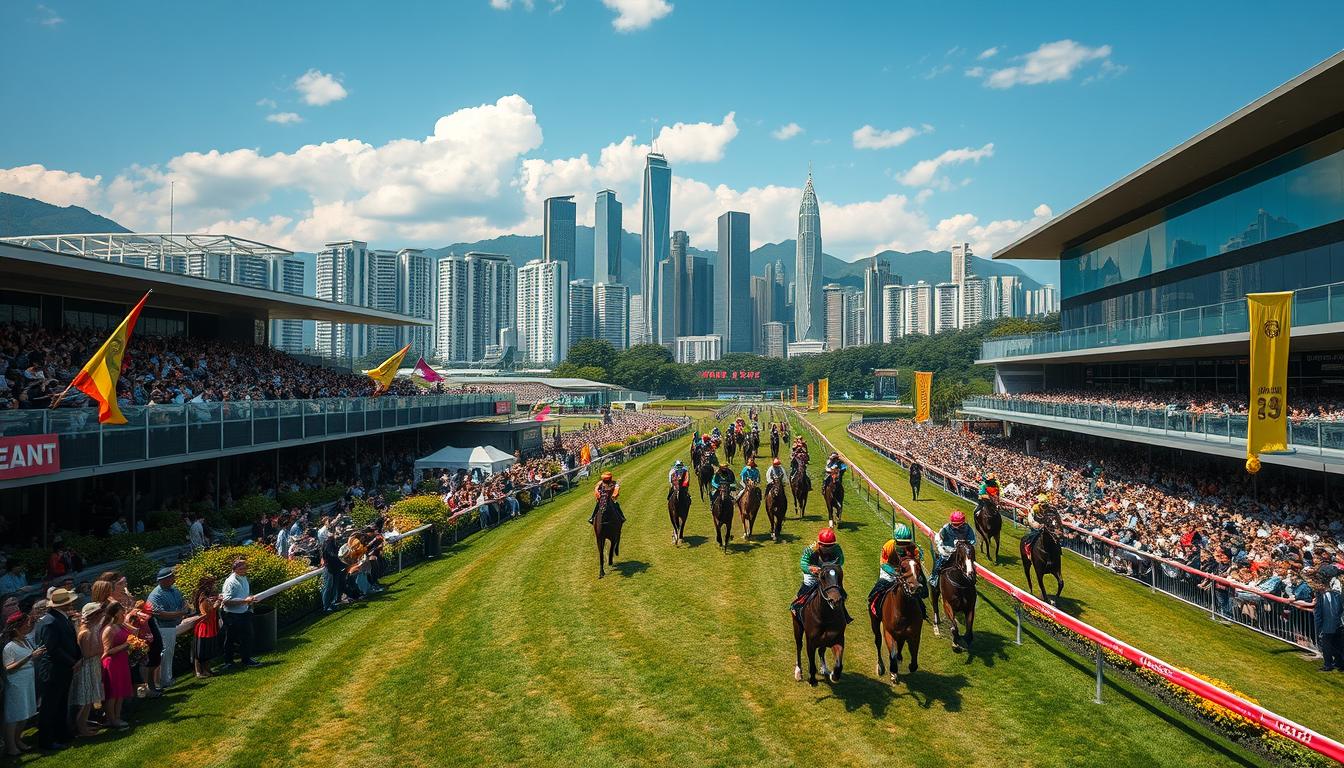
(1271, 319)
(824, 396)
(923, 386)
(811, 395)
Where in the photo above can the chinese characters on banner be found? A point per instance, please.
(730, 374)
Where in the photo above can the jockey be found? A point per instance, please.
(607, 485)
(945, 541)
(826, 550)
(1033, 523)
(697, 441)
(724, 476)
(775, 472)
(989, 487)
(901, 545)
(835, 470)
(716, 433)
(750, 472)
(679, 477)
(798, 455)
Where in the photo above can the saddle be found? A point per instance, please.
(875, 605)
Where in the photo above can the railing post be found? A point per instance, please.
(1017, 608)
(1101, 660)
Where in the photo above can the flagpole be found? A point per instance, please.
(71, 385)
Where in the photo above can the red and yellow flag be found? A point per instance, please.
(385, 373)
(99, 377)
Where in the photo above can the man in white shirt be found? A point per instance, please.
(237, 612)
(196, 534)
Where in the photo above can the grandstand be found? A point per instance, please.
(204, 394)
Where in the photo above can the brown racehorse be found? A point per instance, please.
(704, 473)
(776, 507)
(678, 507)
(748, 504)
(721, 507)
(729, 446)
(823, 624)
(988, 525)
(774, 444)
(801, 485)
(1045, 556)
(834, 494)
(901, 621)
(608, 531)
(956, 594)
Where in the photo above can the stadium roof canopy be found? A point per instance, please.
(93, 267)
(1303, 109)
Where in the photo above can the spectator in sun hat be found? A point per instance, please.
(169, 610)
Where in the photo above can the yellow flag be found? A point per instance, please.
(923, 384)
(824, 396)
(1270, 322)
(385, 373)
(99, 377)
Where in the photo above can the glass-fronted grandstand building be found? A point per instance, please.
(1154, 270)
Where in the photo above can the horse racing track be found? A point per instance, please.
(508, 650)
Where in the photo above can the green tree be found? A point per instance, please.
(590, 353)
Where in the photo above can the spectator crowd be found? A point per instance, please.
(1174, 402)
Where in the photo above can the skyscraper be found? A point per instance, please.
(775, 343)
(947, 307)
(701, 281)
(415, 298)
(637, 330)
(856, 313)
(732, 295)
(666, 287)
(343, 277)
(972, 301)
(288, 276)
(582, 321)
(607, 238)
(475, 303)
(894, 312)
(961, 262)
(875, 279)
(760, 311)
(557, 234)
(919, 309)
(835, 316)
(654, 239)
(611, 313)
(807, 308)
(384, 278)
(543, 312)
(681, 293)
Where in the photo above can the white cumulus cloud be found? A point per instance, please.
(786, 132)
(1047, 64)
(632, 15)
(988, 53)
(319, 88)
(869, 137)
(52, 186)
(284, 118)
(924, 172)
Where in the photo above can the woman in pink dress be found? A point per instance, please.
(116, 664)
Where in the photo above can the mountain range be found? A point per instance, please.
(26, 216)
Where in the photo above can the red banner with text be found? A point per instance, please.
(28, 455)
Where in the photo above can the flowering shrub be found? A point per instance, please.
(415, 511)
(265, 569)
(139, 569)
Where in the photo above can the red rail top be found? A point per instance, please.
(1253, 712)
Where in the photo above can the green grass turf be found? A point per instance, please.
(1279, 676)
(509, 651)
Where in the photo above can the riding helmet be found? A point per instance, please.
(902, 534)
(958, 517)
(606, 475)
(826, 537)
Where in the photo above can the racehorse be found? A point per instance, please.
(900, 620)
(956, 593)
(704, 473)
(721, 507)
(776, 506)
(729, 446)
(608, 531)
(834, 494)
(823, 623)
(774, 444)
(748, 449)
(696, 453)
(1045, 556)
(802, 485)
(988, 525)
(748, 504)
(678, 507)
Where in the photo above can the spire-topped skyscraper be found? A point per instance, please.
(654, 243)
(808, 320)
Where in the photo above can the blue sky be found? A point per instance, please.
(429, 123)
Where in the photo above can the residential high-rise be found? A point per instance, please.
(559, 215)
(875, 279)
(543, 312)
(287, 275)
(732, 294)
(808, 322)
(475, 303)
(833, 298)
(775, 342)
(700, 277)
(582, 319)
(779, 295)
(698, 349)
(1007, 295)
(856, 314)
(760, 312)
(919, 309)
(654, 239)
(638, 334)
(611, 313)
(415, 298)
(343, 276)
(681, 289)
(972, 301)
(894, 312)
(607, 236)
(384, 279)
(666, 287)
(961, 262)
(947, 307)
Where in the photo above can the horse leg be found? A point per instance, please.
(877, 640)
(1059, 588)
(970, 626)
(897, 644)
(839, 652)
(1026, 571)
(997, 539)
(797, 649)
(821, 655)
(812, 663)
(601, 571)
(956, 630)
(914, 653)
(937, 622)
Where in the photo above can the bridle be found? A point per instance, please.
(963, 575)
(823, 589)
(910, 567)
